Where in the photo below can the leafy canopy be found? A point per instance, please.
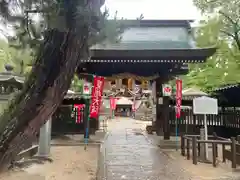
(228, 13)
(221, 28)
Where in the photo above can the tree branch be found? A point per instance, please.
(236, 29)
(228, 34)
(237, 39)
(227, 17)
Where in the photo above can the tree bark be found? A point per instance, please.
(44, 91)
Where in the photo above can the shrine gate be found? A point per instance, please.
(157, 50)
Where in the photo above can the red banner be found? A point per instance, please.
(97, 91)
(178, 97)
(113, 103)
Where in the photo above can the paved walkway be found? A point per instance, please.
(131, 156)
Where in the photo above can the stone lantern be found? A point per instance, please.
(9, 81)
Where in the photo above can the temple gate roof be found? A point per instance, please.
(148, 48)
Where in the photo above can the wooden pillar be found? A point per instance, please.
(130, 83)
(158, 123)
(162, 111)
(149, 85)
(118, 83)
(144, 84)
(133, 84)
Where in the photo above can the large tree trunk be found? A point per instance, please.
(45, 89)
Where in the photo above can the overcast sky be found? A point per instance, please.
(154, 9)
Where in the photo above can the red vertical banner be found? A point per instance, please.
(79, 108)
(97, 91)
(113, 103)
(178, 97)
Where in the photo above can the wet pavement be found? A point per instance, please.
(130, 155)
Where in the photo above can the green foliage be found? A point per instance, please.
(19, 59)
(228, 14)
(5, 57)
(110, 30)
(222, 68)
(221, 29)
(77, 84)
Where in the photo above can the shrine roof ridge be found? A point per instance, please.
(158, 23)
(226, 86)
(152, 54)
(8, 76)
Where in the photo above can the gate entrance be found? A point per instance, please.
(151, 50)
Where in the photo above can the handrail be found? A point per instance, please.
(214, 141)
(195, 146)
(221, 138)
(190, 136)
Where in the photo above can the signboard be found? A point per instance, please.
(79, 107)
(205, 105)
(160, 100)
(178, 97)
(166, 90)
(97, 91)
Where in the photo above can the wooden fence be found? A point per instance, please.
(190, 147)
(64, 121)
(225, 124)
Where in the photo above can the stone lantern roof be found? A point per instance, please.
(10, 77)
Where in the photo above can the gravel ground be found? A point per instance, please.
(69, 162)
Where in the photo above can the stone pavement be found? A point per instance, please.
(130, 155)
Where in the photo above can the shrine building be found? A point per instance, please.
(150, 50)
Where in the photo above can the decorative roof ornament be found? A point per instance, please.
(9, 68)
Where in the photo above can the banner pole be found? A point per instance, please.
(86, 138)
(178, 107)
(176, 129)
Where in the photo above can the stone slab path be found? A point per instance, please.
(130, 155)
